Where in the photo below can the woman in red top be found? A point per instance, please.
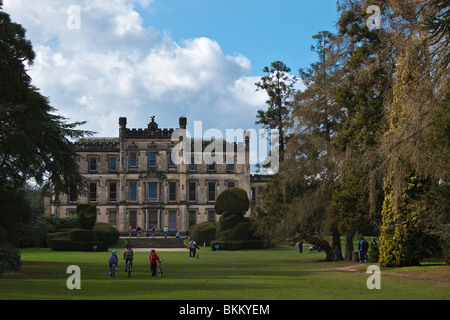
(153, 261)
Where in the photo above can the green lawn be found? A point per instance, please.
(277, 274)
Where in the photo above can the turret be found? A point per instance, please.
(122, 126)
(183, 122)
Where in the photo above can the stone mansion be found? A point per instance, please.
(134, 182)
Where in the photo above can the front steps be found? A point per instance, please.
(157, 242)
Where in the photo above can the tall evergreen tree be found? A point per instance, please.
(369, 135)
(35, 143)
(279, 86)
(309, 163)
(364, 79)
(410, 170)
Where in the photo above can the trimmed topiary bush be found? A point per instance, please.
(234, 200)
(234, 231)
(241, 231)
(56, 235)
(87, 215)
(83, 235)
(106, 233)
(228, 221)
(203, 232)
(102, 236)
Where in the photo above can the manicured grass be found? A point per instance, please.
(277, 274)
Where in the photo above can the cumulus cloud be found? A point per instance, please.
(113, 66)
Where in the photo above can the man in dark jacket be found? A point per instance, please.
(363, 248)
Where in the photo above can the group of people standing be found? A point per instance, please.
(139, 232)
(128, 255)
(363, 248)
(153, 231)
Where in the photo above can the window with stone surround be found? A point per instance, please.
(92, 164)
(132, 162)
(152, 160)
(152, 190)
(133, 191)
(92, 191)
(211, 191)
(192, 196)
(172, 191)
(112, 164)
(113, 192)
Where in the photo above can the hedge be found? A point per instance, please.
(82, 235)
(203, 232)
(106, 233)
(68, 245)
(102, 235)
(237, 244)
(56, 235)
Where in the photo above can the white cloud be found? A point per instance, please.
(112, 66)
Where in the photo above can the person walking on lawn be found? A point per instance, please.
(194, 250)
(154, 258)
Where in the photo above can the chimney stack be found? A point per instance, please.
(183, 122)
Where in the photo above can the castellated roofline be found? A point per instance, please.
(98, 143)
(152, 131)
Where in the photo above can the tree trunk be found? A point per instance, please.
(348, 245)
(322, 243)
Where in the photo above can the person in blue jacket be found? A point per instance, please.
(363, 248)
(113, 260)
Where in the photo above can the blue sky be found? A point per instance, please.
(167, 58)
(261, 30)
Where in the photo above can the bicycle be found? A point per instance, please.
(160, 270)
(128, 269)
(112, 270)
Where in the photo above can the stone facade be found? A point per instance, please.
(134, 182)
